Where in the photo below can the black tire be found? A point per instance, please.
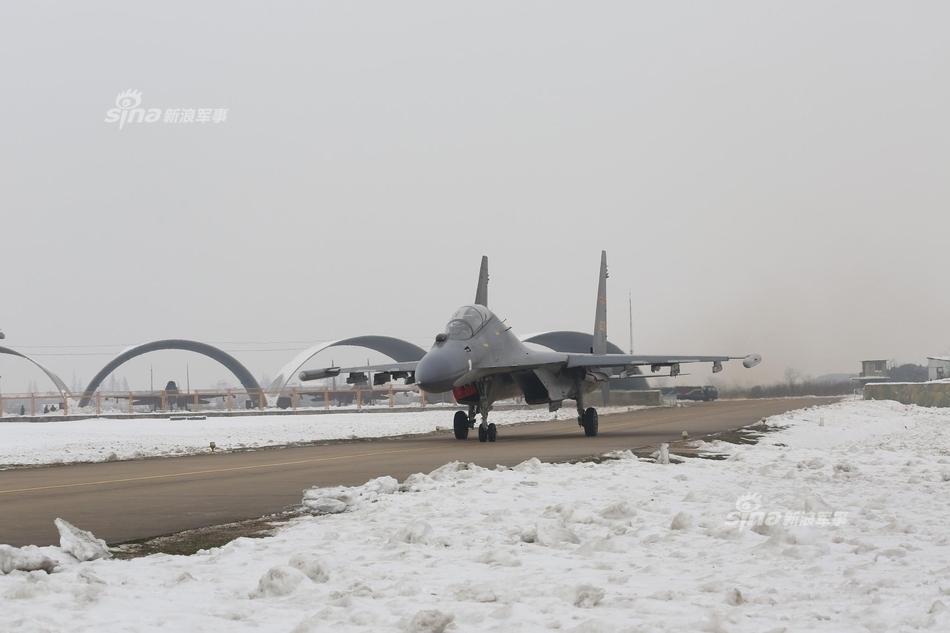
(482, 433)
(590, 422)
(492, 432)
(461, 425)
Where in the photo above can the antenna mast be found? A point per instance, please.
(630, 302)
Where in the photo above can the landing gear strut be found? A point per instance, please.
(486, 432)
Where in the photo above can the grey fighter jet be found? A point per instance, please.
(481, 361)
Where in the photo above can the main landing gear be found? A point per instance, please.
(588, 420)
(461, 425)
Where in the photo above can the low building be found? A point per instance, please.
(873, 371)
(938, 367)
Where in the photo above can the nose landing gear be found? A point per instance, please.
(487, 432)
(463, 422)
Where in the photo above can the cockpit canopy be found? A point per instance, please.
(467, 321)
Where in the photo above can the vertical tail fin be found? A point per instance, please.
(600, 317)
(481, 291)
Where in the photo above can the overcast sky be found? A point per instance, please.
(765, 176)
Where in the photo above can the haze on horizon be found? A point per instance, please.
(766, 177)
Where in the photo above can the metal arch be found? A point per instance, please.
(397, 349)
(567, 341)
(60, 385)
(240, 371)
(581, 343)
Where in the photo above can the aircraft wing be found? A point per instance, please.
(384, 368)
(619, 363)
(655, 361)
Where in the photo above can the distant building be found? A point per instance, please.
(873, 371)
(938, 367)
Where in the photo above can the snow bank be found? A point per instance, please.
(75, 546)
(102, 439)
(80, 544)
(340, 498)
(620, 545)
(29, 558)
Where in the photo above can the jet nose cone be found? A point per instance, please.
(439, 369)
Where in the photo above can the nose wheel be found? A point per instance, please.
(487, 432)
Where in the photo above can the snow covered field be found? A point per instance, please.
(101, 439)
(843, 527)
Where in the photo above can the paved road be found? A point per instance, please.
(122, 501)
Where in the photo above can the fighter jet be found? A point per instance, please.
(480, 360)
(173, 398)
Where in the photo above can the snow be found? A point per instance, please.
(620, 545)
(81, 544)
(75, 545)
(102, 439)
(29, 558)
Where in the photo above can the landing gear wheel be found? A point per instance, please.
(461, 425)
(482, 433)
(492, 432)
(589, 422)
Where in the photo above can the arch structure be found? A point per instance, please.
(240, 372)
(60, 385)
(581, 343)
(397, 349)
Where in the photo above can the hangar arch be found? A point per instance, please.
(567, 341)
(397, 349)
(240, 372)
(581, 343)
(60, 385)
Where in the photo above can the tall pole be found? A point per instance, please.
(151, 378)
(187, 378)
(630, 302)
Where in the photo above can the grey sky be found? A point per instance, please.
(765, 176)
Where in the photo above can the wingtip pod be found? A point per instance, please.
(751, 360)
(317, 374)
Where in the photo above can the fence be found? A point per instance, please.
(925, 394)
(53, 403)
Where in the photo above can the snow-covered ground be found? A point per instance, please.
(102, 439)
(844, 527)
